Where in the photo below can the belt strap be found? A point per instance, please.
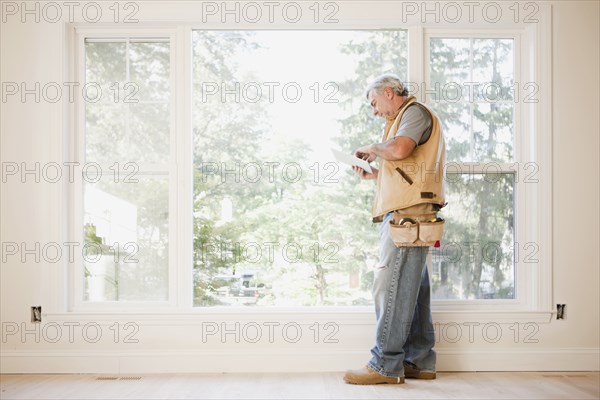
(418, 217)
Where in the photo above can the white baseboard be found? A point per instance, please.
(565, 359)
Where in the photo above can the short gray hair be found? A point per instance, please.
(387, 81)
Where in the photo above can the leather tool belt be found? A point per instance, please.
(416, 230)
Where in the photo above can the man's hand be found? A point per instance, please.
(366, 153)
(364, 174)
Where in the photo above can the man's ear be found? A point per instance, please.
(389, 92)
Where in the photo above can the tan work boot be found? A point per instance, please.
(412, 372)
(366, 376)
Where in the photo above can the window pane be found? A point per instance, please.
(456, 124)
(105, 63)
(449, 65)
(127, 124)
(477, 77)
(473, 81)
(127, 102)
(126, 235)
(476, 260)
(277, 222)
(105, 129)
(493, 69)
(150, 131)
(492, 131)
(149, 70)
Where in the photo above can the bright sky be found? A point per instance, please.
(306, 58)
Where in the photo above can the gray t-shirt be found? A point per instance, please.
(415, 124)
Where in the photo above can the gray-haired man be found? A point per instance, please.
(409, 193)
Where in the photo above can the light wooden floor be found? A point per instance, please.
(449, 385)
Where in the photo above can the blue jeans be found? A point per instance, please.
(402, 297)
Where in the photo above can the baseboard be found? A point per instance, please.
(565, 359)
(548, 359)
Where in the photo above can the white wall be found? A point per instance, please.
(576, 184)
(33, 132)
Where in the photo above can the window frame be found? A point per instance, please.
(170, 170)
(533, 282)
(520, 199)
(535, 118)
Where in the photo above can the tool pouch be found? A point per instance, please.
(420, 233)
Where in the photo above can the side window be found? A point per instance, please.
(472, 82)
(126, 181)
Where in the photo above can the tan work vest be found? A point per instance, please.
(416, 179)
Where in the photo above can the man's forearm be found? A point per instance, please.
(385, 150)
(394, 149)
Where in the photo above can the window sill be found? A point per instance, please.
(339, 315)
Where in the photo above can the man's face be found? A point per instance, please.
(382, 103)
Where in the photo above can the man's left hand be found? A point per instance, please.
(366, 153)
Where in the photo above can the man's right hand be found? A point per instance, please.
(364, 174)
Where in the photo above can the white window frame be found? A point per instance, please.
(532, 280)
(169, 170)
(521, 272)
(535, 306)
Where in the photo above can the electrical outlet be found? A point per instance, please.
(561, 310)
(36, 313)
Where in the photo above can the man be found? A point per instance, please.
(408, 196)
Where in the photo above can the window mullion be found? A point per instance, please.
(183, 153)
(471, 102)
(417, 53)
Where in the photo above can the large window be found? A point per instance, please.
(209, 180)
